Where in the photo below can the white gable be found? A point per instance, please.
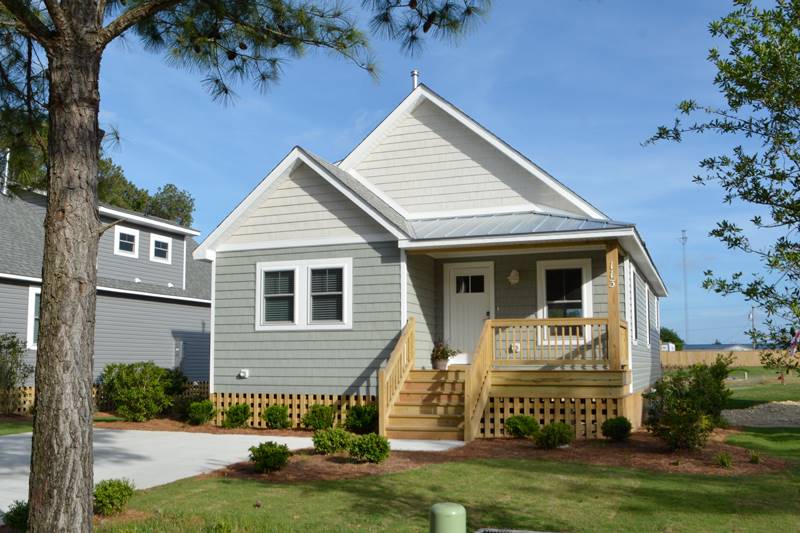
(429, 158)
(301, 206)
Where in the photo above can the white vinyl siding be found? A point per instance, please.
(429, 162)
(303, 206)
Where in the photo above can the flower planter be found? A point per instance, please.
(440, 364)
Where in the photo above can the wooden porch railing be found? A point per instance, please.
(478, 382)
(561, 341)
(394, 374)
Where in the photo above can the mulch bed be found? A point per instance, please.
(642, 451)
(167, 424)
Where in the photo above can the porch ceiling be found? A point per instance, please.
(493, 225)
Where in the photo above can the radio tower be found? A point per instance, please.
(683, 239)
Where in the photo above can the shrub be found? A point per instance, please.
(14, 371)
(16, 516)
(675, 412)
(237, 416)
(276, 417)
(319, 417)
(111, 496)
(201, 412)
(183, 402)
(522, 426)
(331, 440)
(707, 386)
(175, 382)
(362, 419)
(371, 448)
(617, 429)
(554, 435)
(135, 391)
(723, 459)
(269, 456)
(755, 456)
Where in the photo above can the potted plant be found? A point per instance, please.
(441, 354)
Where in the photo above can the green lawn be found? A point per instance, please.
(780, 442)
(522, 494)
(761, 386)
(11, 426)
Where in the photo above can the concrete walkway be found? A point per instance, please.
(151, 458)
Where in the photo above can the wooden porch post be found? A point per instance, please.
(612, 283)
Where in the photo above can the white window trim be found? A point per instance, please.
(302, 294)
(586, 288)
(647, 313)
(160, 238)
(32, 292)
(124, 229)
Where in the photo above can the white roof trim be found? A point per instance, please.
(113, 289)
(423, 93)
(144, 221)
(628, 237)
(286, 165)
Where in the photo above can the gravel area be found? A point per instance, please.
(765, 415)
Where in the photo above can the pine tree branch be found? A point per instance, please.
(57, 15)
(131, 17)
(29, 23)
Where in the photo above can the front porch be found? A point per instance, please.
(523, 360)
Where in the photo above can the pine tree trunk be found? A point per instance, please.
(61, 484)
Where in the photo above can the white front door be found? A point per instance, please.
(468, 301)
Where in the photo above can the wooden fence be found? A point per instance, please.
(585, 414)
(688, 358)
(21, 402)
(298, 405)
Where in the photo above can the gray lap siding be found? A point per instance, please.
(306, 362)
(129, 329)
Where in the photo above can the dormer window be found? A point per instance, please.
(160, 249)
(126, 241)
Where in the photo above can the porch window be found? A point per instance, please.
(327, 294)
(279, 296)
(563, 288)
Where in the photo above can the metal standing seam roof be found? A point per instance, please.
(493, 225)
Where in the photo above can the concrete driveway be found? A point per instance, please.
(151, 458)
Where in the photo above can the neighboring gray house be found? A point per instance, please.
(317, 273)
(153, 299)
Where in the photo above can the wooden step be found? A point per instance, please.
(430, 397)
(427, 385)
(437, 375)
(428, 408)
(424, 433)
(426, 421)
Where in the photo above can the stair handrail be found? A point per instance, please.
(478, 381)
(394, 374)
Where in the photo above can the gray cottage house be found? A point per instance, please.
(153, 299)
(331, 283)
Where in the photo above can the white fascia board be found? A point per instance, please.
(629, 238)
(284, 167)
(144, 221)
(513, 239)
(423, 93)
(115, 290)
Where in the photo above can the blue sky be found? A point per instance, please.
(576, 85)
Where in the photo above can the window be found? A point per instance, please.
(327, 294)
(34, 309)
(279, 290)
(304, 295)
(160, 249)
(126, 241)
(564, 288)
(469, 284)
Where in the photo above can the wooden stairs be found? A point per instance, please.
(430, 405)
